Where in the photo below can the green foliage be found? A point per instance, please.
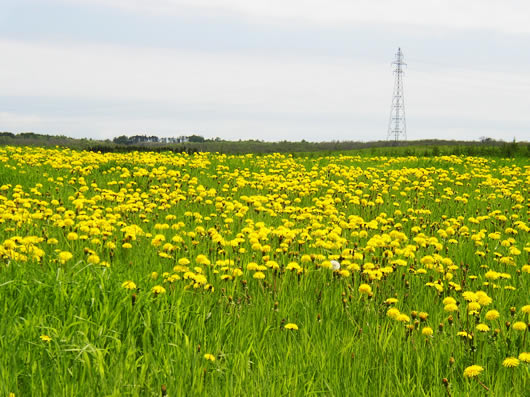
(107, 340)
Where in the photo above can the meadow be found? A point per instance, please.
(152, 274)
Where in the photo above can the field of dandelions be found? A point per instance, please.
(148, 274)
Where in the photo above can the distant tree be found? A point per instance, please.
(121, 140)
(485, 139)
(195, 138)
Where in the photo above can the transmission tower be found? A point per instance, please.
(397, 126)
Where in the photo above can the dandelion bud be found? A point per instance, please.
(451, 361)
(512, 310)
(450, 320)
(133, 299)
(497, 331)
(507, 324)
(318, 317)
(414, 314)
(199, 347)
(164, 390)
(445, 381)
(440, 327)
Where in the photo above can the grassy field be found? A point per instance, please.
(151, 274)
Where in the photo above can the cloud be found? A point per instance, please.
(184, 77)
(496, 15)
(101, 90)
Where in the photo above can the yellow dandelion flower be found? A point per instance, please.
(451, 307)
(209, 357)
(259, 275)
(472, 371)
(470, 296)
(184, 261)
(72, 236)
(65, 256)
(403, 318)
(391, 301)
(365, 289)
(526, 309)
(129, 284)
(519, 326)
(482, 328)
(483, 298)
(427, 331)
(291, 326)
(464, 334)
(45, 338)
(158, 289)
(449, 301)
(492, 315)
(524, 357)
(393, 313)
(510, 362)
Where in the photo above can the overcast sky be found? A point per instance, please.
(264, 69)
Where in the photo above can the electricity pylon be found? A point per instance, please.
(397, 126)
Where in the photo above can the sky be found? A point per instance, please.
(270, 70)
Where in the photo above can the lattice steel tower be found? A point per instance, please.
(397, 126)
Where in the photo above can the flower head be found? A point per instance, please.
(403, 318)
(291, 326)
(524, 357)
(482, 328)
(519, 326)
(45, 338)
(492, 315)
(427, 331)
(65, 256)
(259, 275)
(449, 301)
(158, 289)
(472, 371)
(393, 313)
(365, 289)
(128, 284)
(510, 362)
(451, 307)
(209, 357)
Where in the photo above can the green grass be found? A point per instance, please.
(110, 341)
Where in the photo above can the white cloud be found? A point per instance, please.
(181, 77)
(498, 15)
(245, 96)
